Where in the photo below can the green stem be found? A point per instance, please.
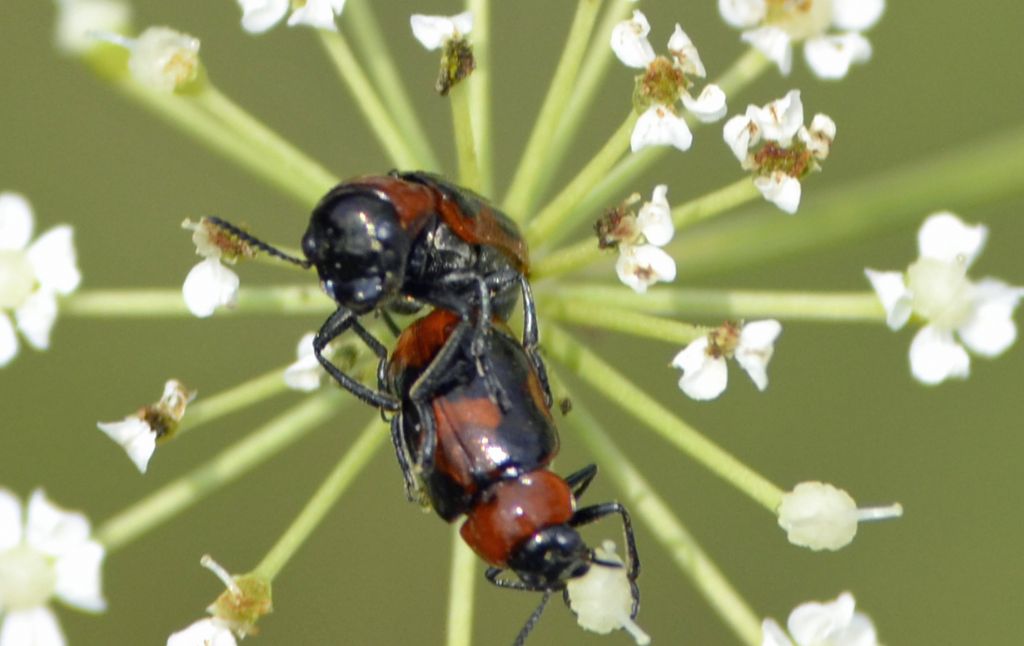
(163, 302)
(848, 307)
(208, 409)
(362, 24)
(559, 92)
(480, 93)
(586, 251)
(618, 179)
(286, 157)
(593, 70)
(551, 222)
(225, 467)
(653, 511)
(984, 172)
(619, 389)
(373, 108)
(619, 320)
(352, 463)
(462, 121)
(462, 582)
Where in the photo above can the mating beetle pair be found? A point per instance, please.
(473, 428)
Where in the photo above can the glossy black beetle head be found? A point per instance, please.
(551, 557)
(358, 246)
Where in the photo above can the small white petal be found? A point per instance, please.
(781, 190)
(54, 261)
(742, 13)
(434, 31)
(755, 349)
(704, 377)
(659, 126)
(305, 374)
(133, 435)
(943, 236)
(896, 299)
(742, 132)
(8, 341)
(629, 41)
(641, 266)
(164, 59)
(819, 516)
(35, 318)
(990, 330)
(10, 520)
(31, 627)
(856, 15)
(819, 136)
(78, 21)
(260, 15)
(709, 106)
(655, 218)
(775, 44)
(782, 118)
(15, 222)
(830, 57)
(319, 14)
(209, 285)
(602, 598)
(935, 356)
(205, 632)
(686, 53)
(79, 581)
(773, 635)
(52, 530)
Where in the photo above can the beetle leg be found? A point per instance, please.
(531, 338)
(336, 324)
(580, 480)
(402, 453)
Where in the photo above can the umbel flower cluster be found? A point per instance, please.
(48, 554)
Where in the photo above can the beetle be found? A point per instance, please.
(487, 458)
(399, 241)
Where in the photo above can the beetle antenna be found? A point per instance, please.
(249, 239)
(532, 621)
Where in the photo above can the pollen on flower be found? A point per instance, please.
(214, 241)
(820, 516)
(448, 33)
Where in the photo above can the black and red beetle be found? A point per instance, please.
(487, 457)
(400, 241)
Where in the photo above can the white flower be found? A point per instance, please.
(641, 262)
(665, 84)
(31, 276)
(305, 374)
(660, 126)
(703, 361)
(936, 289)
(772, 26)
(79, 20)
(259, 16)
(772, 142)
(210, 631)
(434, 31)
(44, 553)
(161, 58)
(210, 285)
(138, 434)
(629, 41)
(234, 613)
(823, 624)
(603, 597)
(821, 517)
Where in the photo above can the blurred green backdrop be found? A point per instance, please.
(841, 405)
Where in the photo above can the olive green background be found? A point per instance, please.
(841, 405)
